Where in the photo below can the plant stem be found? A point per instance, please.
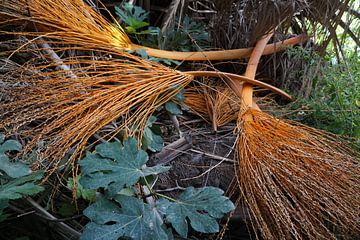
(220, 54)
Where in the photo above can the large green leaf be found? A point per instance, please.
(20, 187)
(201, 206)
(114, 166)
(12, 169)
(151, 140)
(134, 219)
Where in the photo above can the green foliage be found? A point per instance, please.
(114, 166)
(21, 187)
(67, 209)
(123, 211)
(135, 19)
(81, 192)
(12, 169)
(143, 54)
(150, 140)
(136, 25)
(334, 101)
(134, 219)
(3, 205)
(173, 108)
(191, 36)
(201, 206)
(18, 188)
(16, 182)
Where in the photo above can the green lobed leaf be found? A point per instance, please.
(134, 219)
(10, 145)
(173, 108)
(152, 141)
(201, 206)
(115, 166)
(12, 169)
(20, 187)
(133, 17)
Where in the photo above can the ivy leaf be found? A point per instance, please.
(20, 187)
(115, 166)
(134, 219)
(201, 206)
(12, 169)
(173, 108)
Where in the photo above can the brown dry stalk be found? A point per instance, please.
(73, 22)
(299, 182)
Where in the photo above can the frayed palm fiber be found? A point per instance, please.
(217, 104)
(63, 109)
(299, 182)
(67, 22)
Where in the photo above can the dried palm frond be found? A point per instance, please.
(74, 22)
(62, 104)
(226, 107)
(63, 112)
(217, 103)
(196, 100)
(298, 182)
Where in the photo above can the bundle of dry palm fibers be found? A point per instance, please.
(63, 108)
(298, 182)
(61, 111)
(74, 22)
(216, 103)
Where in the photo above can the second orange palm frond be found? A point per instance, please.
(299, 182)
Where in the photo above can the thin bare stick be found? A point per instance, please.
(47, 214)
